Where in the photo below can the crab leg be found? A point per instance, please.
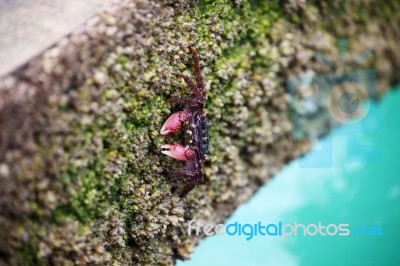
(197, 72)
(181, 173)
(178, 100)
(195, 89)
(174, 122)
(187, 188)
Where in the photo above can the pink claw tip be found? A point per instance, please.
(178, 151)
(174, 123)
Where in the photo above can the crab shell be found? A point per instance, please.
(196, 135)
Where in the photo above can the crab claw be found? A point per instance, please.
(174, 122)
(178, 151)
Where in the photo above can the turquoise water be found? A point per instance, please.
(366, 194)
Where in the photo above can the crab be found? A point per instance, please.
(194, 119)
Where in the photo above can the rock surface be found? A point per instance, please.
(81, 173)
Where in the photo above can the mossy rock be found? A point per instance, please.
(81, 174)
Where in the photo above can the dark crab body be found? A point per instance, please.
(196, 135)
